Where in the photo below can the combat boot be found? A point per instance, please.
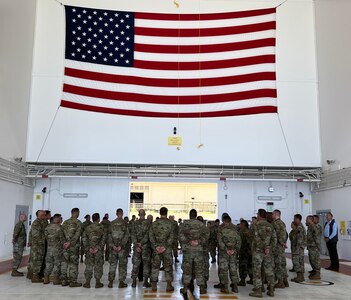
(280, 284)
(134, 283)
(203, 290)
(98, 284)
(56, 280)
(315, 276)
(73, 284)
(218, 286)
(286, 282)
(224, 289)
(234, 288)
(154, 286)
(169, 287)
(29, 274)
(242, 282)
(191, 286)
(312, 271)
(256, 292)
(270, 291)
(64, 282)
(122, 284)
(184, 291)
(146, 283)
(299, 278)
(87, 283)
(46, 279)
(15, 273)
(36, 279)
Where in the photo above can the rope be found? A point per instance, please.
(286, 141)
(281, 3)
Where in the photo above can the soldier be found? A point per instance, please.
(175, 239)
(206, 250)
(86, 223)
(213, 244)
(53, 258)
(245, 254)
(106, 223)
(71, 232)
(279, 251)
(292, 238)
(298, 255)
(38, 246)
(128, 249)
(313, 246)
(229, 243)
(19, 241)
(161, 239)
(264, 241)
(318, 225)
(118, 238)
(142, 250)
(94, 242)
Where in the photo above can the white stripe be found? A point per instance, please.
(206, 40)
(221, 106)
(176, 57)
(169, 74)
(170, 91)
(204, 23)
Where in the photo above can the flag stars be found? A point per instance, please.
(111, 20)
(106, 24)
(73, 9)
(83, 56)
(122, 32)
(111, 31)
(111, 42)
(111, 54)
(101, 30)
(105, 13)
(73, 32)
(84, 11)
(94, 12)
(78, 49)
(105, 59)
(105, 47)
(79, 16)
(127, 16)
(73, 54)
(121, 55)
(122, 21)
(100, 41)
(127, 61)
(89, 17)
(100, 53)
(106, 36)
(127, 38)
(94, 57)
(116, 60)
(85, 21)
(95, 23)
(100, 18)
(74, 20)
(79, 28)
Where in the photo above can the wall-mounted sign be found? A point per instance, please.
(174, 141)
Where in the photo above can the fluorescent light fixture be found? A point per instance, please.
(75, 195)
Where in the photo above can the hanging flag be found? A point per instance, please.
(170, 65)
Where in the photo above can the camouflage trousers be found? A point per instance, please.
(262, 264)
(145, 258)
(227, 263)
(121, 259)
(17, 256)
(167, 260)
(94, 264)
(280, 263)
(298, 260)
(245, 265)
(53, 261)
(36, 258)
(213, 252)
(315, 258)
(193, 267)
(70, 262)
(206, 266)
(107, 252)
(175, 249)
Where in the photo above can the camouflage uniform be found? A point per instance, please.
(193, 259)
(71, 232)
(313, 246)
(213, 242)
(118, 236)
(206, 250)
(106, 224)
(19, 243)
(228, 239)
(264, 237)
(298, 254)
(38, 245)
(140, 235)
(279, 251)
(245, 254)
(53, 258)
(161, 234)
(94, 237)
(292, 238)
(84, 225)
(175, 239)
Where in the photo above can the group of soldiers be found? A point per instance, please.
(257, 252)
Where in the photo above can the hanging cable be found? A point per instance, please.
(286, 141)
(281, 3)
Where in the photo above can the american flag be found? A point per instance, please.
(170, 65)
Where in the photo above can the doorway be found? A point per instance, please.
(322, 220)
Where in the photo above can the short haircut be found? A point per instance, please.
(245, 223)
(74, 210)
(316, 216)
(227, 219)
(163, 211)
(48, 212)
(51, 219)
(86, 216)
(192, 214)
(254, 218)
(200, 218)
(262, 213)
(57, 215)
(278, 212)
(104, 218)
(217, 221)
(37, 212)
(119, 210)
(298, 216)
(96, 217)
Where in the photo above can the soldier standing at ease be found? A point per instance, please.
(94, 241)
(53, 258)
(71, 232)
(292, 238)
(19, 241)
(298, 255)
(118, 238)
(279, 251)
(229, 243)
(264, 240)
(106, 223)
(86, 223)
(161, 239)
(175, 239)
(245, 254)
(213, 240)
(313, 245)
(206, 250)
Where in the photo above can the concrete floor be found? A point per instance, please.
(21, 288)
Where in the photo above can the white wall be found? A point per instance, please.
(78, 136)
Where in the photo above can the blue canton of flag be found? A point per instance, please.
(100, 36)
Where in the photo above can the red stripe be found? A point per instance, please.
(137, 113)
(204, 48)
(161, 82)
(156, 99)
(210, 16)
(205, 65)
(200, 32)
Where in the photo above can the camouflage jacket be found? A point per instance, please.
(313, 238)
(37, 235)
(140, 232)
(161, 234)
(320, 229)
(292, 239)
(300, 237)
(175, 231)
(246, 241)
(53, 236)
(94, 235)
(118, 234)
(71, 231)
(264, 236)
(213, 234)
(280, 230)
(85, 224)
(228, 238)
(20, 234)
(191, 230)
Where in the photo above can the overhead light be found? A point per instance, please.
(75, 195)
